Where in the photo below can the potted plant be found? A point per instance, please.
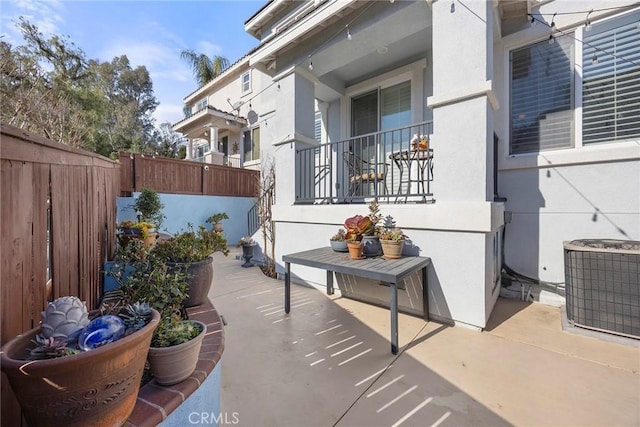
(142, 230)
(192, 251)
(356, 226)
(175, 349)
(248, 245)
(176, 342)
(338, 241)
(74, 370)
(215, 220)
(370, 237)
(420, 142)
(148, 207)
(392, 241)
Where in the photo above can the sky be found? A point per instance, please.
(149, 33)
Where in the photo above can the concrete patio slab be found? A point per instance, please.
(328, 363)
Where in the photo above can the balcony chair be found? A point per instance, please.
(363, 172)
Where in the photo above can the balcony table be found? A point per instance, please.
(405, 159)
(377, 268)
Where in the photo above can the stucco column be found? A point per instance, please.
(189, 149)
(463, 101)
(213, 139)
(463, 104)
(294, 129)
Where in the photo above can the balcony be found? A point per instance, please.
(385, 166)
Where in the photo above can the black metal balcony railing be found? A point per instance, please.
(381, 165)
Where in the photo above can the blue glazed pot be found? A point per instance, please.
(372, 246)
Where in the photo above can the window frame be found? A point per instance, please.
(578, 152)
(254, 157)
(246, 74)
(566, 38)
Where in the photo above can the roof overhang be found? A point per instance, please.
(321, 18)
(198, 123)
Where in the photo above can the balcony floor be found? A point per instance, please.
(329, 363)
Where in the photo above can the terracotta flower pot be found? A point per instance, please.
(124, 238)
(171, 365)
(392, 249)
(97, 387)
(356, 250)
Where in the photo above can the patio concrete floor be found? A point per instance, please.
(328, 363)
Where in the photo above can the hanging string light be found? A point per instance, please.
(453, 7)
(587, 22)
(348, 32)
(553, 24)
(533, 20)
(568, 34)
(594, 59)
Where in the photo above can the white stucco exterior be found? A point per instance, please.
(458, 66)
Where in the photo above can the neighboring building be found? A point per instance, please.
(221, 128)
(535, 130)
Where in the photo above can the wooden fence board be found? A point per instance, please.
(184, 177)
(83, 188)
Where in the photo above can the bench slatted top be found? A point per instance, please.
(378, 268)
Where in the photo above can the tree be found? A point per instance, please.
(170, 141)
(50, 88)
(204, 68)
(129, 101)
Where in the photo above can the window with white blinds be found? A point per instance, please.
(611, 80)
(318, 127)
(542, 96)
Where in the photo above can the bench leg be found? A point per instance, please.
(425, 294)
(394, 317)
(287, 287)
(329, 282)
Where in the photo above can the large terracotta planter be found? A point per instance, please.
(199, 278)
(392, 249)
(93, 388)
(171, 365)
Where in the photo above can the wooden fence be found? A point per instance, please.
(184, 177)
(58, 226)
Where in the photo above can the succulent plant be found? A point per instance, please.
(136, 316)
(171, 333)
(64, 317)
(49, 348)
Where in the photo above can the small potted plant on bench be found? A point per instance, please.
(356, 226)
(338, 241)
(392, 241)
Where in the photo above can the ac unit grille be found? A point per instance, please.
(603, 287)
